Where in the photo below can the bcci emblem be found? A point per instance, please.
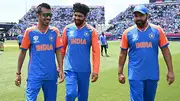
(51, 38)
(86, 34)
(151, 36)
(36, 38)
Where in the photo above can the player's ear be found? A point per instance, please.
(37, 14)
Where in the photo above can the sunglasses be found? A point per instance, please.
(47, 14)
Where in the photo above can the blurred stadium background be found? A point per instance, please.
(165, 13)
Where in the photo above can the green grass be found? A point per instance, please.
(107, 88)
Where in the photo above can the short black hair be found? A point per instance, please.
(45, 5)
(82, 8)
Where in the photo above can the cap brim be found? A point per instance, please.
(139, 11)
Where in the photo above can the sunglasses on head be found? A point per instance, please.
(47, 14)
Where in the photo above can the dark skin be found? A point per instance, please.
(43, 24)
(141, 22)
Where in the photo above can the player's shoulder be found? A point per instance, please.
(154, 26)
(53, 28)
(29, 29)
(70, 25)
(90, 27)
(129, 29)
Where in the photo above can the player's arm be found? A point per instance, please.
(122, 57)
(168, 58)
(25, 45)
(163, 43)
(122, 60)
(123, 52)
(65, 42)
(60, 65)
(95, 52)
(59, 46)
(21, 58)
(95, 56)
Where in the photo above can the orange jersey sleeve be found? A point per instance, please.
(26, 41)
(124, 40)
(163, 41)
(64, 41)
(95, 52)
(58, 39)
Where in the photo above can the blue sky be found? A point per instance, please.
(13, 10)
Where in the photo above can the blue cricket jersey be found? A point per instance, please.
(143, 51)
(42, 48)
(78, 42)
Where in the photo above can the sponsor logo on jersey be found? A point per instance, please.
(144, 45)
(78, 41)
(44, 47)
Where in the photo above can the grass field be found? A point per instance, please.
(107, 88)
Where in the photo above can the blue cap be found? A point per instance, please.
(142, 9)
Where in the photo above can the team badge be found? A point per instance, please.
(151, 36)
(51, 38)
(86, 34)
(36, 39)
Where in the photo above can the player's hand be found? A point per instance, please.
(121, 78)
(18, 80)
(61, 76)
(94, 77)
(170, 77)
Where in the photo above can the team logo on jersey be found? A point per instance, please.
(36, 39)
(151, 36)
(51, 38)
(135, 37)
(86, 34)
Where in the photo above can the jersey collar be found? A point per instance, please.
(41, 31)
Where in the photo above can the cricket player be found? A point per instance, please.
(141, 42)
(78, 38)
(43, 43)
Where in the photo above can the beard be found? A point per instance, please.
(78, 22)
(141, 23)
